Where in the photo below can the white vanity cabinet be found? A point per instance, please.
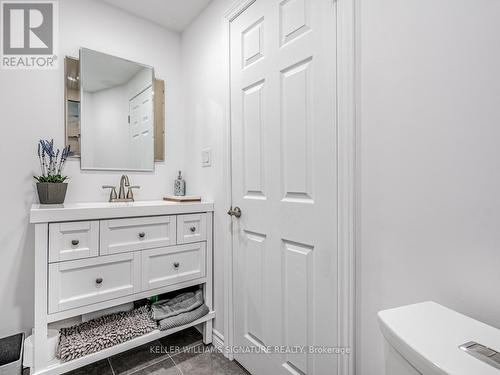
(90, 257)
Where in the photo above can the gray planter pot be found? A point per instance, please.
(51, 193)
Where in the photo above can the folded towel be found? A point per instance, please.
(104, 332)
(184, 318)
(179, 304)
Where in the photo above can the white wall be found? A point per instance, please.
(31, 107)
(429, 127)
(203, 59)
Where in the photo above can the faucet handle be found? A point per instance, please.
(130, 193)
(112, 194)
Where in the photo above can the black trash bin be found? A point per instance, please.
(11, 355)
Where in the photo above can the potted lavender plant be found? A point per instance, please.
(51, 185)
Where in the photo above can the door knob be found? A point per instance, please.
(236, 212)
(142, 234)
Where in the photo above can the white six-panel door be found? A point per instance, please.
(284, 179)
(141, 129)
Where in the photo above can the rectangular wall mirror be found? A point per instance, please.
(112, 124)
(72, 110)
(117, 117)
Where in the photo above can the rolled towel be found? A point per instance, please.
(179, 304)
(184, 318)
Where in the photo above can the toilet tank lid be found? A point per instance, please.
(428, 335)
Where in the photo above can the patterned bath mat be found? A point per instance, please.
(104, 332)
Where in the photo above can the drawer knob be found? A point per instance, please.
(75, 242)
(98, 281)
(192, 229)
(176, 265)
(142, 235)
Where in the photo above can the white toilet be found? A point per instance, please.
(430, 339)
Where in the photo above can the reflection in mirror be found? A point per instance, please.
(116, 113)
(72, 104)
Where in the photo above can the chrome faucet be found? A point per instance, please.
(124, 182)
(121, 196)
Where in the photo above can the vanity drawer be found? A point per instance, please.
(82, 282)
(191, 228)
(73, 240)
(171, 265)
(122, 235)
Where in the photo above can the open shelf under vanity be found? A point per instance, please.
(57, 366)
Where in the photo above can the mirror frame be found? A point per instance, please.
(82, 78)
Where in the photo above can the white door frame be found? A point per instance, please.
(346, 146)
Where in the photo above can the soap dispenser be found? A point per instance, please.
(180, 186)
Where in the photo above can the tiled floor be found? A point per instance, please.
(182, 353)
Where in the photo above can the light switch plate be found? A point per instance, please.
(206, 157)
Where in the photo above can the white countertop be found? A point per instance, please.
(41, 213)
(429, 336)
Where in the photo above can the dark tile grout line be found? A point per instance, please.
(186, 348)
(193, 345)
(241, 367)
(202, 344)
(164, 358)
(177, 367)
(111, 366)
(160, 359)
(152, 363)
